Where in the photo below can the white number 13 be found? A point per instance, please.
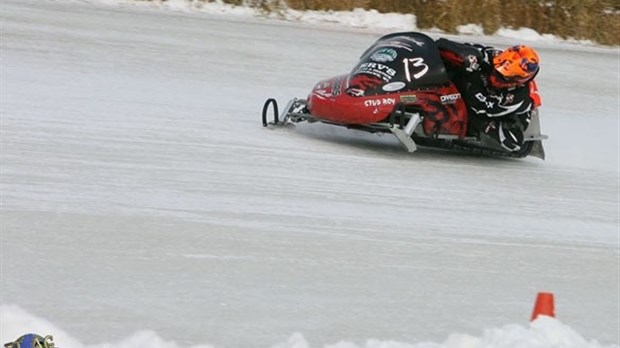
(416, 63)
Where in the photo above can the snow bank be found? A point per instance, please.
(358, 18)
(545, 332)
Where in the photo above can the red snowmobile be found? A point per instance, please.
(401, 88)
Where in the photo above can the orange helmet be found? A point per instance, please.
(515, 66)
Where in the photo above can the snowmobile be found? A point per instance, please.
(401, 88)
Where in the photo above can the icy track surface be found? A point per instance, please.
(143, 203)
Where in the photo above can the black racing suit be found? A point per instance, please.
(502, 114)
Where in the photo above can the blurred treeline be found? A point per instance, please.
(596, 20)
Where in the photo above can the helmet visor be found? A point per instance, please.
(500, 81)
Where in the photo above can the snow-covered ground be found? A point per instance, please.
(140, 192)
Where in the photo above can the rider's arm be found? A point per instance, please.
(464, 57)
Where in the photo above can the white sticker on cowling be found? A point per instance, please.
(394, 86)
(379, 102)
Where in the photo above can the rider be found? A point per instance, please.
(495, 86)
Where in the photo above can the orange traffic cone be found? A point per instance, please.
(544, 305)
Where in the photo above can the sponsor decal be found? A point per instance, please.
(510, 98)
(450, 98)
(376, 69)
(418, 43)
(396, 44)
(384, 55)
(379, 102)
(410, 98)
(394, 86)
(356, 92)
(321, 93)
(336, 87)
(473, 63)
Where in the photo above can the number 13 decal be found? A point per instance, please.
(416, 63)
